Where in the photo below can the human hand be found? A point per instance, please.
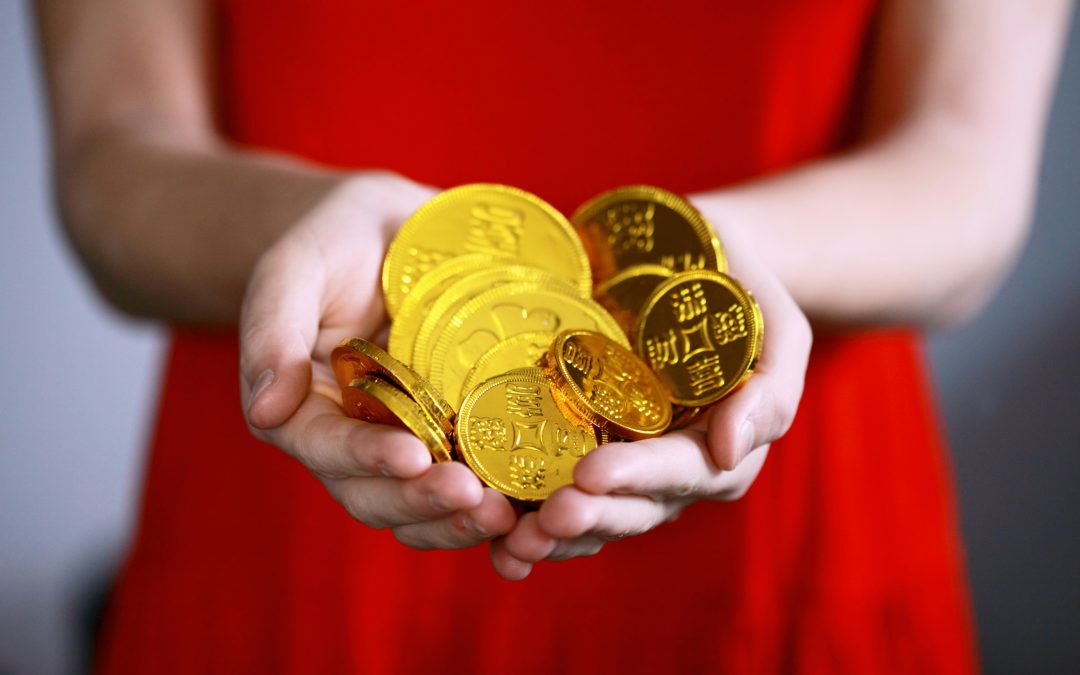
(316, 286)
(626, 489)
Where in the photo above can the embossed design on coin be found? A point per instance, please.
(517, 439)
(641, 224)
(507, 224)
(607, 385)
(701, 333)
(500, 313)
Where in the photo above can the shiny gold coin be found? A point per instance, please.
(379, 402)
(416, 305)
(701, 333)
(517, 440)
(357, 358)
(501, 313)
(645, 225)
(517, 351)
(510, 225)
(608, 385)
(625, 293)
(458, 294)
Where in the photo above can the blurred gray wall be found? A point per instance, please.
(1009, 384)
(77, 385)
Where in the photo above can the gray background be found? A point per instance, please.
(77, 384)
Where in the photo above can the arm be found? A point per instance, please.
(168, 218)
(919, 222)
(172, 223)
(914, 225)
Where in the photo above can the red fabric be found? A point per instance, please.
(843, 557)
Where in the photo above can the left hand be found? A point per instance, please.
(627, 489)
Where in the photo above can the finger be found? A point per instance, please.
(279, 322)
(581, 547)
(527, 542)
(572, 514)
(391, 502)
(493, 517)
(505, 564)
(763, 409)
(673, 467)
(332, 445)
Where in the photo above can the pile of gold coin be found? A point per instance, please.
(521, 340)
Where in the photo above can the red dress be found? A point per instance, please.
(843, 557)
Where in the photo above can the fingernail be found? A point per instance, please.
(260, 385)
(437, 503)
(746, 439)
(472, 526)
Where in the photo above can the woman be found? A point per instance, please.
(875, 185)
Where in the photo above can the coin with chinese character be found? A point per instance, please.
(608, 385)
(701, 333)
(358, 358)
(505, 311)
(516, 438)
(639, 225)
(624, 294)
(505, 223)
(377, 401)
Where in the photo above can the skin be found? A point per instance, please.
(915, 224)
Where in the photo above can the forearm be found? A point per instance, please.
(905, 230)
(921, 219)
(172, 229)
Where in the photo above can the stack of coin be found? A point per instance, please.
(495, 312)
(659, 267)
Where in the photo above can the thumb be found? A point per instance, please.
(279, 322)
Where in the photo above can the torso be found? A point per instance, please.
(842, 557)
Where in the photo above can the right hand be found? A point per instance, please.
(314, 287)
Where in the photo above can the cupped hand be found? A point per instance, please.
(316, 286)
(627, 489)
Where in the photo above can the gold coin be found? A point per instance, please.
(517, 351)
(507, 224)
(608, 385)
(357, 358)
(379, 402)
(625, 293)
(517, 440)
(701, 333)
(505, 311)
(641, 224)
(461, 292)
(414, 308)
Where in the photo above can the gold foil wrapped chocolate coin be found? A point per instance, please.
(701, 333)
(517, 439)
(379, 402)
(608, 385)
(645, 225)
(357, 358)
(509, 225)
